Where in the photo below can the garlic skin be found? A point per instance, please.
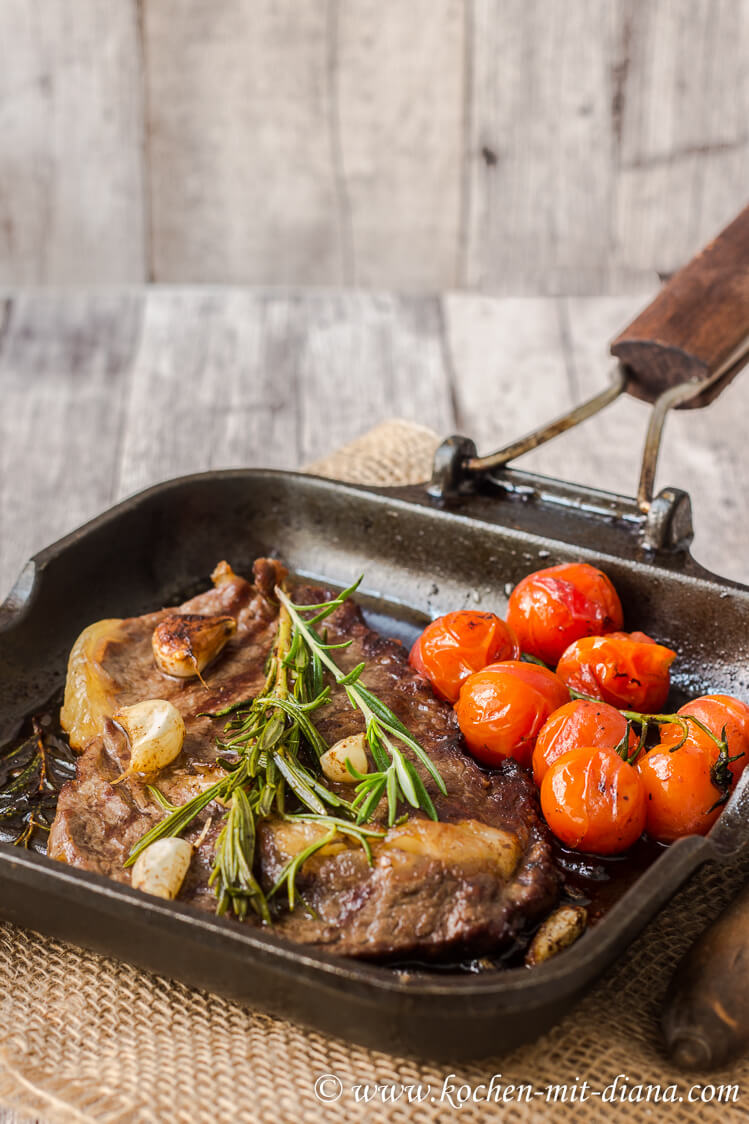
(333, 761)
(560, 929)
(155, 730)
(184, 643)
(160, 869)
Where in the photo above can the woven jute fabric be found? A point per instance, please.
(85, 1038)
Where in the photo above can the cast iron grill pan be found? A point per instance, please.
(474, 533)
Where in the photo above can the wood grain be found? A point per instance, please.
(607, 142)
(64, 366)
(212, 385)
(368, 357)
(331, 143)
(697, 325)
(509, 146)
(398, 110)
(682, 127)
(507, 364)
(71, 121)
(239, 126)
(229, 378)
(541, 145)
(106, 393)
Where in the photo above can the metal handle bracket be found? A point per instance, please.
(666, 518)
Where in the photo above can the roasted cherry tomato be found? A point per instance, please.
(576, 724)
(625, 669)
(553, 607)
(501, 709)
(594, 801)
(454, 646)
(685, 789)
(715, 712)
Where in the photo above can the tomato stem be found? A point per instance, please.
(681, 720)
(721, 776)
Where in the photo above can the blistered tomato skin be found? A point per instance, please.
(501, 709)
(455, 646)
(576, 724)
(594, 801)
(627, 670)
(551, 608)
(681, 798)
(715, 712)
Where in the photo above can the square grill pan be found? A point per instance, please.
(419, 558)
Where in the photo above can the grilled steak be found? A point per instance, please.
(469, 883)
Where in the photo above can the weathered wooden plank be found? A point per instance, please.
(71, 203)
(509, 145)
(63, 374)
(608, 142)
(508, 367)
(318, 144)
(229, 378)
(368, 357)
(241, 179)
(540, 155)
(97, 404)
(397, 112)
(214, 385)
(682, 128)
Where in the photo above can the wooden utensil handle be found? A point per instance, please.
(706, 1011)
(697, 328)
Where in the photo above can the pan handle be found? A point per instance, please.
(696, 331)
(686, 346)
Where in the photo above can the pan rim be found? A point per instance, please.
(555, 977)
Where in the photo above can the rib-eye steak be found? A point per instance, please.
(469, 883)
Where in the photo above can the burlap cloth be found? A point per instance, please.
(86, 1038)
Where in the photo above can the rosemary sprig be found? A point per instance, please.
(181, 816)
(267, 737)
(396, 776)
(288, 875)
(236, 885)
(275, 750)
(720, 774)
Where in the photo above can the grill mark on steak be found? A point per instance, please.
(468, 884)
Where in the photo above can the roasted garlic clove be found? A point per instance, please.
(333, 761)
(560, 929)
(155, 730)
(160, 869)
(184, 643)
(89, 691)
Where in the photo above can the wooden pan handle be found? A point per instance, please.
(706, 1011)
(697, 328)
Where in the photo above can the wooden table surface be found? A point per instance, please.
(516, 144)
(103, 392)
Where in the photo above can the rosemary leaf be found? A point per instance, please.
(269, 734)
(383, 727)
(236, 885)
